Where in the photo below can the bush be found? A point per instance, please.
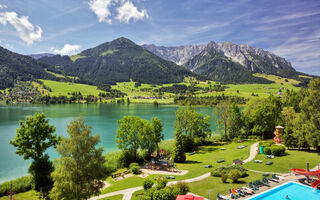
(267, 150)
(164, 194)
(218, 172)
(134, 164)
(180, 188)
(135, 169)
(19, 185)
(234, 175)
(278, 150)
(147, 184)
(224, 178)
(161, 183)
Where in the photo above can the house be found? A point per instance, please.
(188, 197)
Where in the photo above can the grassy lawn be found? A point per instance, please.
(293, 159)
(116, 197)
(63, 88)
(214, 185)
(147, 90)
(194, 164)
(30, 195)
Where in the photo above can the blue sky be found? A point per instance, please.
(288, 28)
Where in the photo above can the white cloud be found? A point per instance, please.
(67, 49)
(26, 31)
(2, 6)
(128, 11)
(101, 9)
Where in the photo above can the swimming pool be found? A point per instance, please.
(295, 191)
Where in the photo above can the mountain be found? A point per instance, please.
(227, 62)
(117, 61)
(179, 55)
(40, 55)
(15, 66)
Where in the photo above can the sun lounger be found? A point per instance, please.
(208, 166)
(220, 197)
(270, 156)
(234, 194)
(258, 161)
(170, 177)
(241, 147)
(248, 190)
(279, 177)
(223, 149)
(240, 192)
(220, 161)
(265, 182)
(252, 186)
(269, 163)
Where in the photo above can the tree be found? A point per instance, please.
(235, 121)
(310, 113)
(33, 138)
(80, 171)
(135, 133)
(223, 113)
(290, 119)
(157, 128)
(192, 125)
(179, 155)
(262, 115)
(129, 134)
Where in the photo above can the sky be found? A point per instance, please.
(288, 28)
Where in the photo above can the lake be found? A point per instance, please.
(101, 117)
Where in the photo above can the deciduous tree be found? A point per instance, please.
(33, 138)
(80, 171)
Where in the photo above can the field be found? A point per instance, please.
(145, 93)
(66, 88)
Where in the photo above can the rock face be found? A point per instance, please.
(251, 58)
(179, 55)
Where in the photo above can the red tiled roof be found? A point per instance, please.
(188, 197)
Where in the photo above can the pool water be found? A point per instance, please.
(295, 191)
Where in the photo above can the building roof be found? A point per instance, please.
(188, 197)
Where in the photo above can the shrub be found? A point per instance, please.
(224, 178)
(267, 150)
(278, 150)
(234, 175)
(19, 185)
(147, 184)
(180, 188)
(164, 194)
(135, 169)
(218, 172)
(161, 183)
(134, 164)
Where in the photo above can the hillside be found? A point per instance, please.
(227, 62)
(15, 67)
(179, 55)
(118, 61)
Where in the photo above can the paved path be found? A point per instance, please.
(253, 152)
(127, 193)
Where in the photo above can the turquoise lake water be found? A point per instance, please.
(294, 191)
(101, 117)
